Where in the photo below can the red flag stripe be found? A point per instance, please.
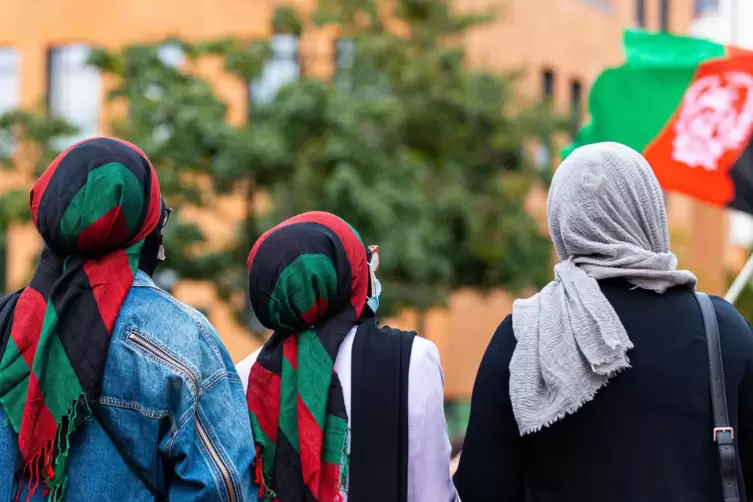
(38, 427)
(110, 279)
(110, 227)
(263, 399)
(290, 351)
(329, 482)
(27, 323)
(310, 437)
(316, 311)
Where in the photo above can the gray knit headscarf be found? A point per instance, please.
(607, 219)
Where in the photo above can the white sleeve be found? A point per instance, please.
(244, 368)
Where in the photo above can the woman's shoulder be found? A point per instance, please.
(499, 351)
(244, 367)
(424, 350)
(733, 327)
(504, 337)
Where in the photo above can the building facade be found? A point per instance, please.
(561, 46)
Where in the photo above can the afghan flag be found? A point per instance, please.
(687, 105)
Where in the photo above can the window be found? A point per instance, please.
(360, 76)
(576, 105)
(343, 63)
(542, 157)
(705, 7)
(606, 6)
(547, 82)
(664, 15)
(640, 13)
(9, 91)
(740, 228)
(280, 69)
(170, 55)
(74, 91)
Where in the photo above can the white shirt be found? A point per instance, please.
(428, 443)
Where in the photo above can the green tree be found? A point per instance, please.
(422, 154)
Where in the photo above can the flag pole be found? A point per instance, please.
(740, 281)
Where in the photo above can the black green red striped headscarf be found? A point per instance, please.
(93, 206)
(308, 280)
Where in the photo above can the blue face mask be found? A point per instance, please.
(373, 302)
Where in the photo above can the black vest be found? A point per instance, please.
(379, 414)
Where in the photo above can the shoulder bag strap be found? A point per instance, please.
(724, 434)
(159, 495)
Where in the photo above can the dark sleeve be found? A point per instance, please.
(490, 466)
(737, 349)
(745, 424)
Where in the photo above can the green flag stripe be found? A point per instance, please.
(268, 456)
(632, 104)
(57, 379)
(644, 49)
(319, 368)
(334, 433)
(103, 190)
(298, 285)
(288, 420)
(15, 383)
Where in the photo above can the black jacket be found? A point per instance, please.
(645, 437)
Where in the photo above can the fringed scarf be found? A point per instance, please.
(308, 280)
(93, 207)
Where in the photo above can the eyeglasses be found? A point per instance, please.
(165, 217)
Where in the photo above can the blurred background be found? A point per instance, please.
(432, 126)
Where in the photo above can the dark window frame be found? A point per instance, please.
(640, 13)
(548, 83)
(664, 17)
(704, 7)
(51, 88)
(576, 105)
(343, 60)
(10, 68)
(277, 55)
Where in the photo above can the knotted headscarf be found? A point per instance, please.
(607, 219)
(93, 206)
(308, 280)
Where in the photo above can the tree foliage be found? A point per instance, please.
(421, 153)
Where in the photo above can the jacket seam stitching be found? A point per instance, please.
(190, 314)
(209, 382)
(134, 406)
(145, 353)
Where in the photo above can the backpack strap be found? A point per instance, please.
(724, 434)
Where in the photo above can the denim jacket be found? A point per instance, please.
(172, 398)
